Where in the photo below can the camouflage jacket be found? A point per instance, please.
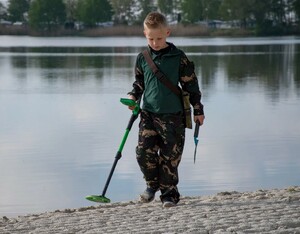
(178, 69)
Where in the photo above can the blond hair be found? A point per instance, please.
(155, 20)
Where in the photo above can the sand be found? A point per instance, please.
(262, 211)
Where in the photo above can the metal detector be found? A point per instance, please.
(135, 112)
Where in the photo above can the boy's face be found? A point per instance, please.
(157, 37)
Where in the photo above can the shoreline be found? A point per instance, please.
(179, 30)
(262, 211)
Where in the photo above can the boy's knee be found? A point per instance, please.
(140, 153)
(146, 156)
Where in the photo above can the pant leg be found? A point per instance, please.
(147, 150)
(172, 137)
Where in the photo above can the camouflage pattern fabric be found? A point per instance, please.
(159, 151)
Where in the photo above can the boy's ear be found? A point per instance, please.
(168, 32)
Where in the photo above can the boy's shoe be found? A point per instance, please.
(148, 195)
(168, 202)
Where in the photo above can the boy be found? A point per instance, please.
(161, 128)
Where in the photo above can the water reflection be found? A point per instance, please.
(61, 120)
(272, 69)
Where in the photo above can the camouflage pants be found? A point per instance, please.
(159, 151)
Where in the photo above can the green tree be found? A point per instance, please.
(290, 11)
(123, 11)
(71, 8)
(46, 15)
(277, 11)
(17, 10)
(2, 10)
(296, 6)
(166, 6)
(195, 10)
(265, 16)
(270, 16)
(170, 8)
(192, 10)
(91, 12)
(145, 6)
(211, 9)
(238, 10)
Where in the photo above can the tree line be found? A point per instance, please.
(264, 17)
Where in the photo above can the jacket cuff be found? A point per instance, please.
(199, 111)
(133, 94)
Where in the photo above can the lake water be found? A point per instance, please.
(61, 121)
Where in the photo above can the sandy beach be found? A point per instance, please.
(262, 211)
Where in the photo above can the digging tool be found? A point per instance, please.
(196, 133)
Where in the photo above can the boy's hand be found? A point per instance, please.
(132, 98)
(199, 118)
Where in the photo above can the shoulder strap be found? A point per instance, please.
(160, 76)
